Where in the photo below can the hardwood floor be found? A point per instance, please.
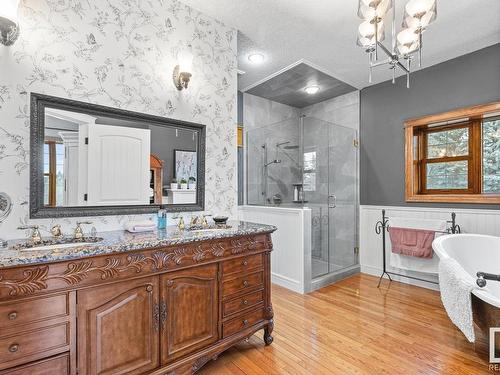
(354, 328)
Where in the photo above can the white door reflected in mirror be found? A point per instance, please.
(96, 161)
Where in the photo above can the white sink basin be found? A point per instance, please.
(57, 246)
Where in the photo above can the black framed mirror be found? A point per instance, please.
(92, 160)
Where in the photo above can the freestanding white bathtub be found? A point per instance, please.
(476, 253)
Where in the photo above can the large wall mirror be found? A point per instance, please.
(91, 160)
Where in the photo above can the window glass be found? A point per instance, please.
(309, 182)
(46, 190)
(46, 158)
(309, 177)
(491, 156)
(59, 174)
(449, 175)
(448, 143)
(310, 161)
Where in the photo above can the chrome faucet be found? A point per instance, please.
(78, 235)
(35, 236)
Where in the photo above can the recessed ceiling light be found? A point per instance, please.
(256, 58)
(311, 90)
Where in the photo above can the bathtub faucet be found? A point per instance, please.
(483, 276)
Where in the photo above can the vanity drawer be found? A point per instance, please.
(241, 322)
(31, 345)
(53, 366)
(243, 302)
(242, 283)
(242, 264)
(23, 312)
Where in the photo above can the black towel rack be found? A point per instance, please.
(383, 225)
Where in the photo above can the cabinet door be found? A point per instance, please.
(189, 298)
(118, 328)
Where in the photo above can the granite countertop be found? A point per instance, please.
(123, 241)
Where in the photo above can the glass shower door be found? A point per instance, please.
(342, 198)
(316, 190)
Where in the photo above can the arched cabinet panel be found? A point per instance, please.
(191, 311)
(118, 328)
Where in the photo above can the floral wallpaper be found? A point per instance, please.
(118, 53)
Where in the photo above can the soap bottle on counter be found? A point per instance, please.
(162, 218)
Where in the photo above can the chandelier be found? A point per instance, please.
(418, 14)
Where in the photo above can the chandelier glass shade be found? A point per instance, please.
(366, 34)
(420, 8)
(373, 10)
(408, 41)
(417, 16)
(420, 22)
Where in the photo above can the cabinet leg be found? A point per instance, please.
(268, 330)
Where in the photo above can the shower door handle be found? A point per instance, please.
(332, 201)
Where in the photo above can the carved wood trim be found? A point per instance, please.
(35, 279)
(93, 270)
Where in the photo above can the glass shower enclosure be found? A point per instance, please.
(307, 162)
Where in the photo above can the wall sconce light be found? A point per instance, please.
(9, 27)
(182, 71)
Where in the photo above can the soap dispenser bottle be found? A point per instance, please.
(162, 218)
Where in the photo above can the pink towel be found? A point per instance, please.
(412, 242)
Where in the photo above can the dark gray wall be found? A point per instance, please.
(467, 80)
(164, 142)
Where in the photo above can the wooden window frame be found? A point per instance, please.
(415, 184)
(52, 173)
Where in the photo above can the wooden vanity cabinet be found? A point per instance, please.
(190, 302)
(118, 328)
(154, 312)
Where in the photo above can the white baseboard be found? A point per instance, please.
(286, 282)
(375, 271)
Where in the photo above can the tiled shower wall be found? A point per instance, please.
(259, 113)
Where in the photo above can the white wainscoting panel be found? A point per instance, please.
(470, 221)
(292, 242)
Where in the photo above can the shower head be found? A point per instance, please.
(276, 161)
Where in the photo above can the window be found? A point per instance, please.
(491, 156)
(309, 177)
(53, 174)
(455, 156)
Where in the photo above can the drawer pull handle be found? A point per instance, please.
(149, 288)
(245, 302)
(245, 283)
(245, 322)
(13, 315)
(14, 348)
(245, 263)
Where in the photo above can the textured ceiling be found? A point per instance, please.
(324, 32)
(288, 87)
